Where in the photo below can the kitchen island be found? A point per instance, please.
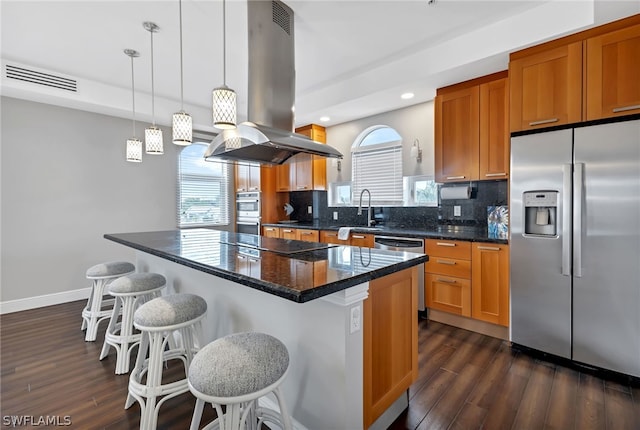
(346, 314)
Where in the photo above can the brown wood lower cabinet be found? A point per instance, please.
(468, 279)
(490, 283)
(271, 231)
(355, 239)
(390, 341)
(448, 276)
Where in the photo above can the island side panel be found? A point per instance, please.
(390, 343)
(325, 382)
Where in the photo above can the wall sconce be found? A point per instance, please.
(336, 163)
(416, 151)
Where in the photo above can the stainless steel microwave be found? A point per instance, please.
(248, 205)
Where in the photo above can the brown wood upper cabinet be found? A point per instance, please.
(471, 130)
(247, 177)
(613, 73)
(546, 88)
(305, 171)
(588, 75)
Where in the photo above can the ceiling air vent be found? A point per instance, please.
(40, 78)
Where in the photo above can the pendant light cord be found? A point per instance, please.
(153, 107)
(224, 44)
(133, 98)
(181, 75)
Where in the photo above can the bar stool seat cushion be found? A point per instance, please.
(238, 364)
(137, 283)
(111, 268)
(170, 310)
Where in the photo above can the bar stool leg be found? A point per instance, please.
(92, 315)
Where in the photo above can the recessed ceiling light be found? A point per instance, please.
(324, 118)
(407, 96)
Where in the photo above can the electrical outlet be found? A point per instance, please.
(335, 215)
(355, 319)
(457, 211)
(310, 209)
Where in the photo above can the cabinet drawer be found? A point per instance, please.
(362, 240)
(448, 248)
(308, 235)
(332, 237)
(448, 266)
(448, 294)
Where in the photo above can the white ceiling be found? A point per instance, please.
(353, 58)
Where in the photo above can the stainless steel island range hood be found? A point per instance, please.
(269, 138)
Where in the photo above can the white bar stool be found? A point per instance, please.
(129, 292)
(235, 371)
(101, 275)
(159, 320)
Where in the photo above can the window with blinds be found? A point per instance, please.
(203, 189)
(377, 166)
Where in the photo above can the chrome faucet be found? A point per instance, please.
(369, 220)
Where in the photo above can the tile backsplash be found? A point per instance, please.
(473, 211)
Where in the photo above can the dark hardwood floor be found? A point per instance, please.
(466, 381)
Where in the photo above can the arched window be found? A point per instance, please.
(203, 189)
(377, 165)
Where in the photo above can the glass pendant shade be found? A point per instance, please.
(224, 108)
(134, 150)
(153, 141)
(182, 128)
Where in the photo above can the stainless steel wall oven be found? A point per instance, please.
(248, 212)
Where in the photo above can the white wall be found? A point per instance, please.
(413, 122)
(65, 183)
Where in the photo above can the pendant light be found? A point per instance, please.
(134, 145)
(152, 135)
(224, 98)
(182, 122)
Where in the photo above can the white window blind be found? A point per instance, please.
(203, 189)
(377, 166)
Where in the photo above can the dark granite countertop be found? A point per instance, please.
(450, 232)
(292, 273)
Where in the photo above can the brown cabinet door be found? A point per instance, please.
(613, 74)
(329, 236)
(271, 232)
(362, 240)
(447, 293)
(494, 130)
(288, 233)
(242, 177)
(457, 135)
(254, 177)
(301, 173)
(282, 177)
(546, 88)
(308, 235)
(490, 283)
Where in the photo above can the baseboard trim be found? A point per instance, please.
(469, 324)
(18, 305)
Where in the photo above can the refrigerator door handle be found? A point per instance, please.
(578, 198)
(566, 219)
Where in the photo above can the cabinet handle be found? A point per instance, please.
(447, 281)
(544, 121)
(302, 187)
(449, 263)
(489, 248)
(253, 260)
(240, 257)
(445, 244)
(356, 236)
(287, 231)
(625, 108)
(241, 189)
(253, 189)
(306, 233)
(488, 175)
(456, 177)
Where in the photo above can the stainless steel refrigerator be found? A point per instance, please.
(575, 244)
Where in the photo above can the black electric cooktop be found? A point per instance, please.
(272, 244)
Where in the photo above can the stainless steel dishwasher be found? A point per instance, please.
(408, 244)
